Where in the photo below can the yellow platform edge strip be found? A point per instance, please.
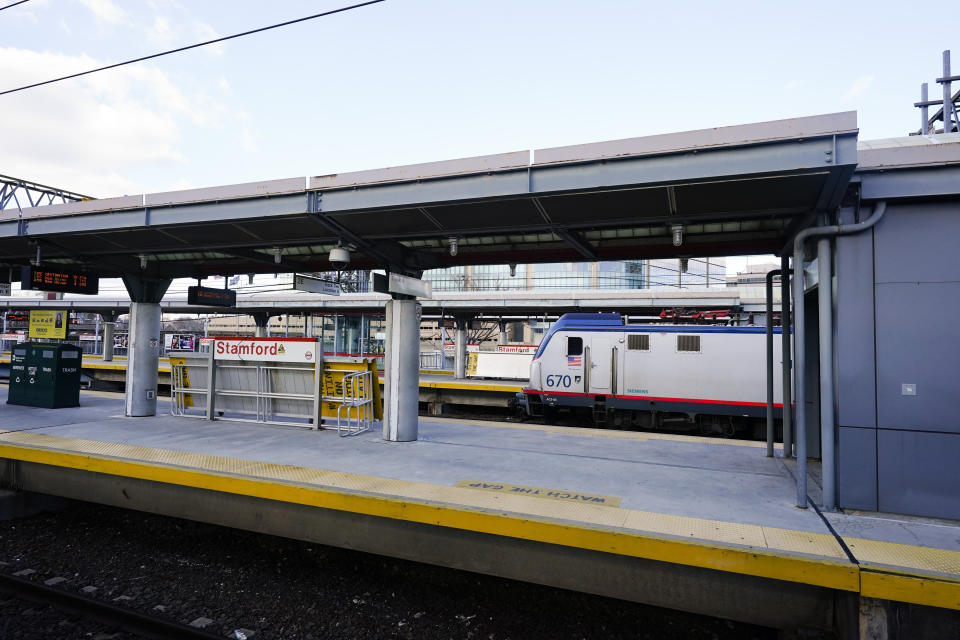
(916, 590)
(822, 572)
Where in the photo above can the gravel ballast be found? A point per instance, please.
(227, 581)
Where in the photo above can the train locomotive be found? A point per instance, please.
(676, 377)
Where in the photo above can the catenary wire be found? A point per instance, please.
(192, 46)
(13, 4)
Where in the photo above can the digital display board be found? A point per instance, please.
(212, 297)
(59, 280)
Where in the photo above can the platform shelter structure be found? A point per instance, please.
(745, 189)
(724, 191)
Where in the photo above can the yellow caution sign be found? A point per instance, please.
(471, 363)
(48, 324)
(332, 388)
(185, 382)
(541, 492)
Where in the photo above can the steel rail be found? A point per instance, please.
(128, 619)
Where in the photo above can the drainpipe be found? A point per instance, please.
(787, 355)
(827, 418)
(784, 336)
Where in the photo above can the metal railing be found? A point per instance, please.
(264, 401)
(355, 413)
(269, 399)
(269, 394)
(432, 360)
(181, 392)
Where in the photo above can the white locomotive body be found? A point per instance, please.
(654, 376)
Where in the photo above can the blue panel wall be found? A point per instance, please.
(898, 306)
(857, 468)
(917, 306)
(918, 243)
(918, 344)
(856, 365)
(918, 473)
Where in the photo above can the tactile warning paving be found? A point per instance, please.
(697, 528)
(891, 555)
(818, 544)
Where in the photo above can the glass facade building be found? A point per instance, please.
(622, 274)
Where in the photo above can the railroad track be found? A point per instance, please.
(129, 620)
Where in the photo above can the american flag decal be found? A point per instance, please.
(574, 361)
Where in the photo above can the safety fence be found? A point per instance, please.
(355, 411)
(432, 359)
(342, 393)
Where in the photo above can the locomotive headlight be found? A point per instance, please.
(677, 231)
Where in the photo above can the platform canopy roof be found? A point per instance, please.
(735, 190)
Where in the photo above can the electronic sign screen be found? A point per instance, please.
(60, 280)
(212, 297)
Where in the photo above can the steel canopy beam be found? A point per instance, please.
(578, 242)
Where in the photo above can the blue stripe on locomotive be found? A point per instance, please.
(602, 322)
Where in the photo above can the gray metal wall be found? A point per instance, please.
(898, 352)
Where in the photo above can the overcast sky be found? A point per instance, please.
(409, 81)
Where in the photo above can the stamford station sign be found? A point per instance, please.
(266, 349)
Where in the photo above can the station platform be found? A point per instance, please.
(698, 524)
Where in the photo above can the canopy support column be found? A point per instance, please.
(109, 325)
(460, 349)
(402, 382)
(262, 321)
(143, 344)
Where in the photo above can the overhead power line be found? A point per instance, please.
(192, 46)
(12, 4)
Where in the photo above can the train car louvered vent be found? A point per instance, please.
(638, 342)
(688, 343)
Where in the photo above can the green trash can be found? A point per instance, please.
(50, 377)
(20, 390)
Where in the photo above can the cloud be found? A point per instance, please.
(206, 32)
(160, 32)
(248, 141)
(106, 11)
(88, 135)
(858, 88)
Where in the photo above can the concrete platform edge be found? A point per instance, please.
(756, 600)
(704, 554)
